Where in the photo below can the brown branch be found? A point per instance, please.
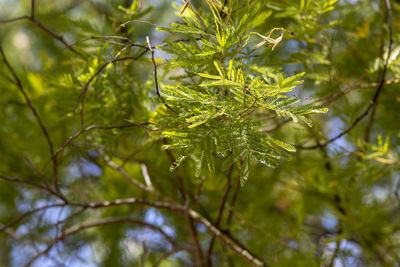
(127, 176)
(377, 92)
(38, 119)
(233, 201)
(331, 98)
(370, 124)
(81, 99)
(92, 127)
(155, 75)
(11, 232)
(335, 253)
(372, 117)
(21, 181)
(229, 241)
(8, 79)
(32, 9)
(155, 67)
(220, 213)
(28, 213)
(37, 23)
(80, 227)
(13, 19)
(193, 231)
(199, 192)
(60, 38)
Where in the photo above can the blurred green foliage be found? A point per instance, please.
(237, 111)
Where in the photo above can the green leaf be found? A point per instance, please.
(199, 164)
(283, 145)
(209, 76)
(198, 120)
(177, 163)
(218, 67)
(245, 170)
(220, 83)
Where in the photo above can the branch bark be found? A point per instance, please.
(38, 119)
(220, 213)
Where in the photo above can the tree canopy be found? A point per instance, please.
(199, 133)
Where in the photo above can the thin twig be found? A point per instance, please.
(127, 176)
(155, 75)
(32, 9)
(36, 22)
(220, 213)
(146, 176)
(13, 19)
(372, 117)
(26, 214)
(58, 37)
(21, 181)
(37, 117)
(227, 239)
(335, 253)
(233, 201)
(80, 227)
(377, 92)
(81, 99)
(92, 127)
(193, 231)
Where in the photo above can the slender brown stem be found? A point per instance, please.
(80, 227)
(13, 19)
(373, 113)
(21, 181)
(377, 92)
(155, 75)
(81, 99)
(220, 213)
(225, 238)
(192, 228)
(32, 9)
(92, 127)
(127, 176)
(233, 201)
(37, 117)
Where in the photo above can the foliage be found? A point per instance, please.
(199, 133)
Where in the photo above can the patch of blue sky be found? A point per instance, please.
(153, 216)
(334, 127)
(329, 221)
(350, 250)
(84, 168)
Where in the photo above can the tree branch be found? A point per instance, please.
(113, 165)
(32, 9)
(21, 181)
(79, 227)
(26, 214)
(220, 213)
(226, 239)
(13, 19)
(155, 75)
(193, 231)
(81, 99)
(377, 92)
(92, 127)
(37, 117)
